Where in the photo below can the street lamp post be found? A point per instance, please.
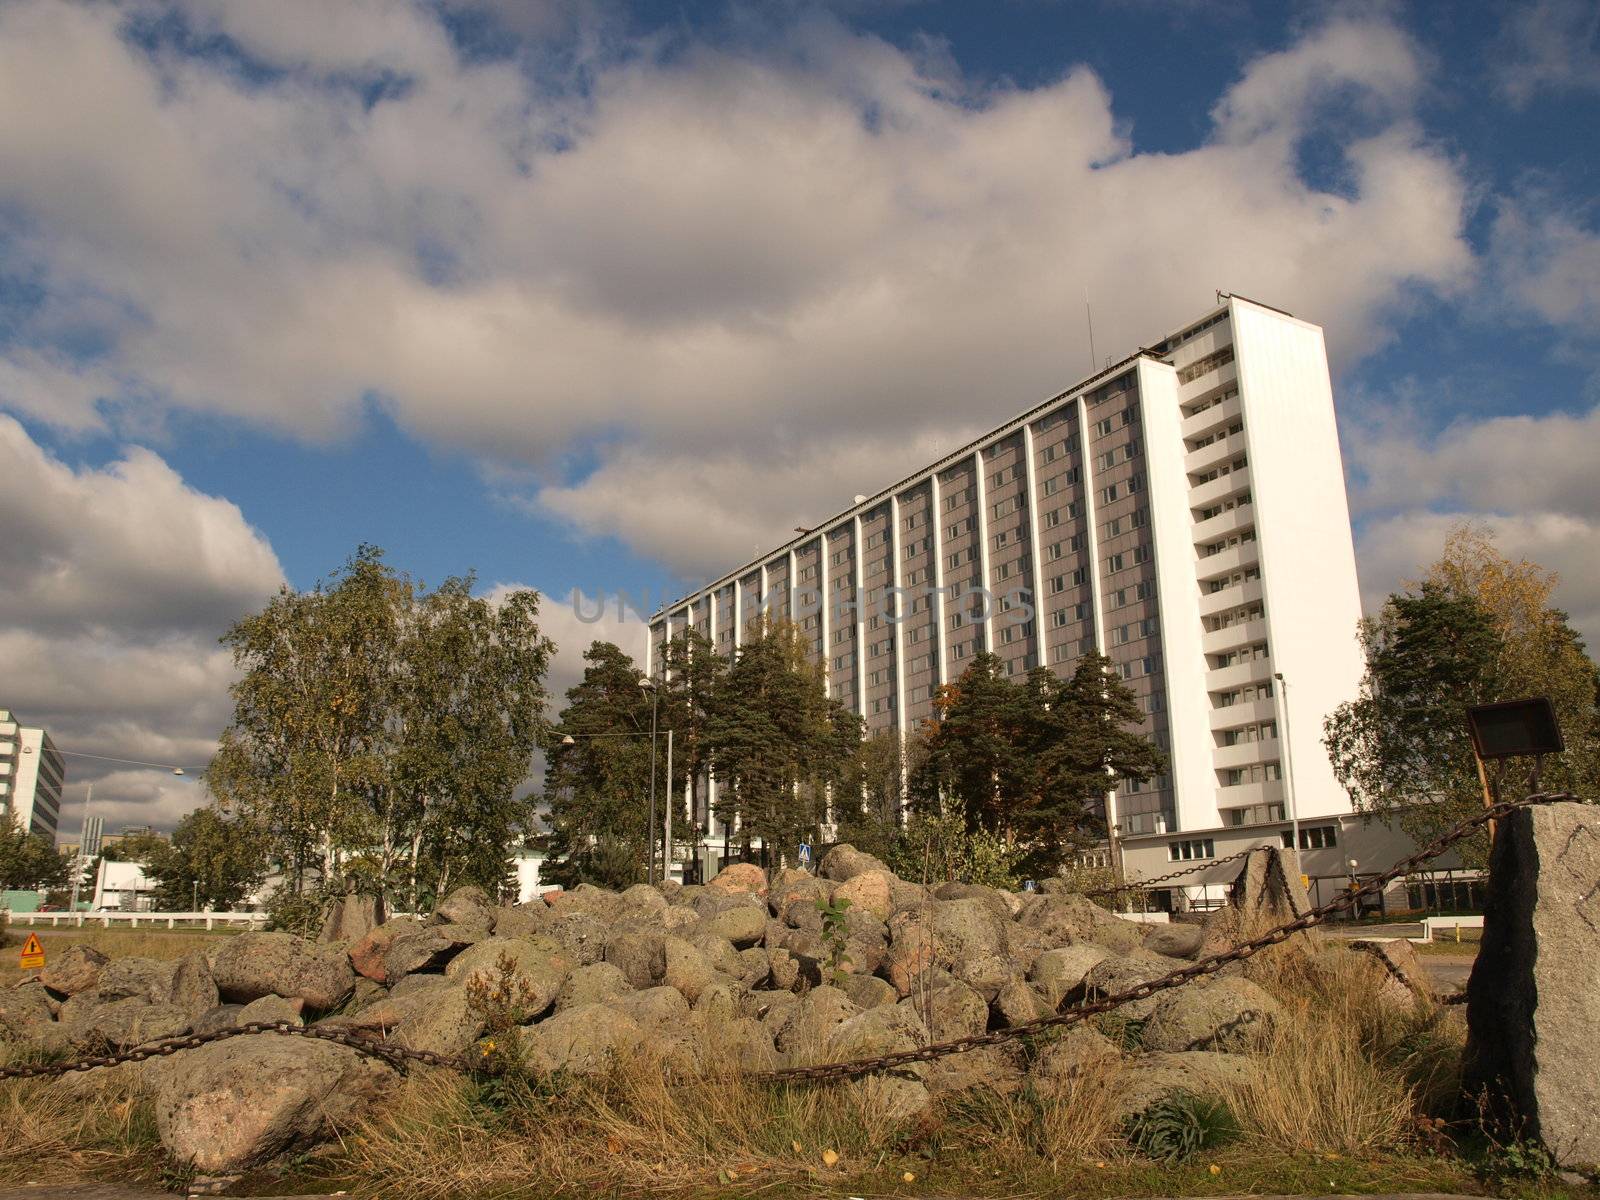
(649, 686)
(1355, 909)
(1288, 764)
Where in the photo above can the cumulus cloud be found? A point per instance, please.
(690, 259)
(115, 584)
(1546, 263)
(576, 620)
(1531, 479)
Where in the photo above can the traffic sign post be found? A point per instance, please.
(32, 954)
(804, 856)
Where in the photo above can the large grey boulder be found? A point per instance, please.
(899, 1095)
(145, 978)
(91, 1023)
(235, 1104)
(534, 970)
(950, 1012)
(24, 1012)
(805, 1029)
(1210, 1014)
(940, 933)
(1151, 1077)
(253, 965)
(640, 955)
(743, 925)
(845, 862)
(1175, 940)
(415, 950)
(655, 1010)
(684, 968)
(591, 985)
(193, 989)
(1069, 1053)
(520, 921)
(468, 905)
(1066, 920)
(1059, 973)
(581, 932)
(351, 918)
(585, 1040)
(1112, 976)
(1533, 999)
(367, 953)
(443, 1020)
(988, 1067)
(76, 969)
(1018, 1004)
(276, 1009)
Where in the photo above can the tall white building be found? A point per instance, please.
(1182, 512)
(32, 774)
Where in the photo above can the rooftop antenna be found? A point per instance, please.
(1089, 313)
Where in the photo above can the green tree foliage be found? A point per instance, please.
(693, 678)
(1031, 761)
(939, 847)
(380, 732)
(29, 860)
(1477, 629)
(213, 859)
(868, 803)
(597, 789)
(779, 744)
(140, 848)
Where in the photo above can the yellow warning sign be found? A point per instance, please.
(32, 953)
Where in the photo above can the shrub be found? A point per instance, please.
(1179, 1126)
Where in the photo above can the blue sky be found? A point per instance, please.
(571, 294)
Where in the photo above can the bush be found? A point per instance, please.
(1180, 1126)
(294, 912)
(938, 847)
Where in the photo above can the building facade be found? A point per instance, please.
(32, 776)
(1182, 512)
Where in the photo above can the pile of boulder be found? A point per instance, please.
(737, 975)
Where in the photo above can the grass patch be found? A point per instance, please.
(164, 944)
(87, 1126)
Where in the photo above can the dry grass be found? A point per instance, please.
(84, 1126)
(114, 943)
(1343, 1071)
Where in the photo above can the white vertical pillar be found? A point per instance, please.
(860, 622)
(1097, 600)
(1036, 576)
(983, 544)
(738, 613)
(650, 651)
(898, 624)
(936, 510)
(825, 583)
(711, 776)
(764, 598)
(790, 588)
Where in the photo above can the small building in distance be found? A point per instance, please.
(32, 776)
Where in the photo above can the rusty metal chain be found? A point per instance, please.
(1195, 970)
(394, 1054)
(398, 1055)
(1139, 885)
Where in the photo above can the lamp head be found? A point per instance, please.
(568, 740)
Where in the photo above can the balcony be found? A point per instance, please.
(1216, 490)
(1246, 753)
(1243, 633)
(1219, 451)
(1212, 603)
(1236, 716)
(1220, 526)
(1247, 794)
(1245, 554)
(1222, 679)
(1217, 414)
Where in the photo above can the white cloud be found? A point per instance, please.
(1548, 46)
(115, 584)
(575, 621)
(1546, 263)
(1531, 479)
(690, 259)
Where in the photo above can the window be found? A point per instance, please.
(1005, 508)
(1313, 837)
(911, 520)
(841, 662)
(1056, 585)
(1204, 366)
(1002, 477)
(1268, 772)
(1188, 851)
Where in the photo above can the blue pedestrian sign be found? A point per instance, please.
(805, 854)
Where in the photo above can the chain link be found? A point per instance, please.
(394, 1054)
(399, 1055)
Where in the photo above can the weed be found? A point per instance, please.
(1180, 1126)
(835, 936)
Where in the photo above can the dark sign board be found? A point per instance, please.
(1514, 728)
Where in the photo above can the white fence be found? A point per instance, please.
(205, 920)
(1430, 925)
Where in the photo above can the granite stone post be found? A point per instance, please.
(1533, 1001)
